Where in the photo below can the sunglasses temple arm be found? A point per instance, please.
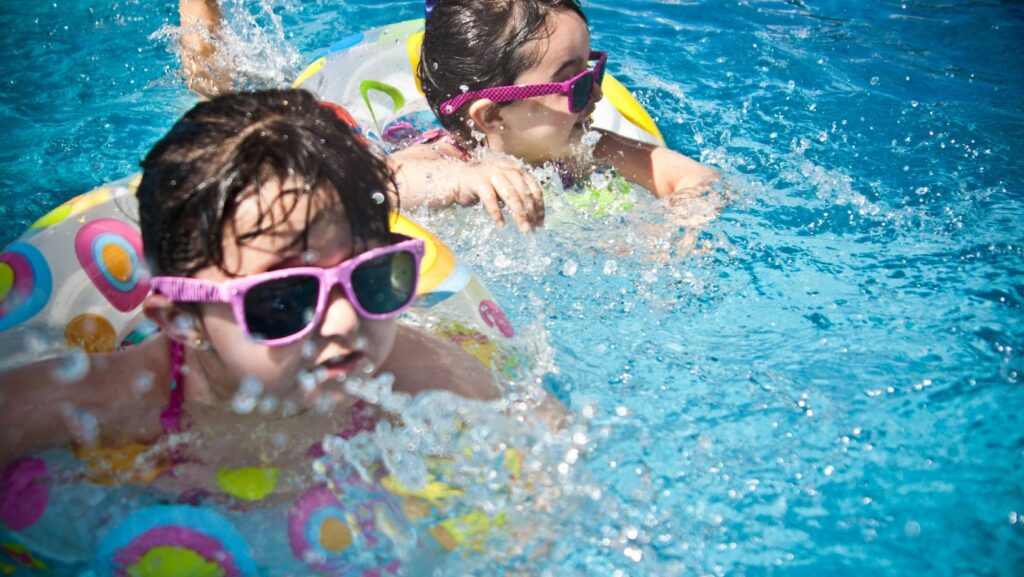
(190, 290)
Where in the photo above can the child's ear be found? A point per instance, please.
(178, 325)
(486, 115)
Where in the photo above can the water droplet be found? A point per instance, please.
(245, 399)
(72, 368)
(569, 268)
(143, 382)
(268, 405)
(912, 529)
(590, 138)
(610, 266)
(310, 256)
(874, 81)
(307, 381)
(84, 426)
(309, 350)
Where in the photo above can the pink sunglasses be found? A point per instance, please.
(579, 89)
(280, 307)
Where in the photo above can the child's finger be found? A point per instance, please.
(512, 197)
(489, 198)
(536, 196)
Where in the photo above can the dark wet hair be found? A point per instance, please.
(474, 44)
(222, 151)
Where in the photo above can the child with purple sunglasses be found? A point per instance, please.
(520, 77)
(275, 275)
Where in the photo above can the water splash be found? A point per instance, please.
(252, 45)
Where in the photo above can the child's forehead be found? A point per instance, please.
(565, 38)
(284, 213)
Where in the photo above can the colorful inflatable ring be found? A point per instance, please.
(372, 75)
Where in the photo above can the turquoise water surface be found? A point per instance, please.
(827, 382)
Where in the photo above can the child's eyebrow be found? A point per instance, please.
(568, 66)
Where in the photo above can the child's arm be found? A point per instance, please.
(423, 362)
(663, 171)
(58, 401)
(435, 176)
(200, 23)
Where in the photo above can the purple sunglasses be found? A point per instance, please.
(280, 307)
(579, 89)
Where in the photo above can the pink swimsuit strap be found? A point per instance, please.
(170, 418)
(441, 134)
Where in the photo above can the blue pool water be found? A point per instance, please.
(829, 382)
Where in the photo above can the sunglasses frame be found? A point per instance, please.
(523, 91)
(191, 290)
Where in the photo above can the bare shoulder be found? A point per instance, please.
(421, 362)
(56, 401)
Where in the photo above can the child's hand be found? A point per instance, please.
(498, 184)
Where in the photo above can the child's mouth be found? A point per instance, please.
(340, 367)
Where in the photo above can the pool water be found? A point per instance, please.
(826, 379)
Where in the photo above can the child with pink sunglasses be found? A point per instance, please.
(275, 277)
(520, 77)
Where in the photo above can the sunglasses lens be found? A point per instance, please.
(280, 308)
(581, 92)
(385, 284)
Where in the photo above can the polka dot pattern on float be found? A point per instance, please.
(175, 540)
(110, 252)
(172, 550)
(76, 205)
(330, 535)
(91, 333)
(26, 284)
(24, 493)
(492, 314)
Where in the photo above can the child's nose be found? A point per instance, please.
(340, 318)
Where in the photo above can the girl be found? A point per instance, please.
(519, 77)
(275, 279)
(513, 76)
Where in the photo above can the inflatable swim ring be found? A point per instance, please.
(372, 75)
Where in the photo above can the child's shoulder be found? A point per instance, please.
(421, 361)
